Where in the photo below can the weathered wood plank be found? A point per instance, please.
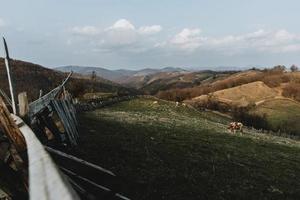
(7, 99)
(70, 119)
(78, 160)
(45, 180)
(23, 104)
(98, 190)
(62, 115)
(39, 104)
(11, 129)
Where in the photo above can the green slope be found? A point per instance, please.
(164, 152)
(282, 114)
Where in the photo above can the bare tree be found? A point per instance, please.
(294, 68)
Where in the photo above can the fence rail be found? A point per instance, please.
(45, 180)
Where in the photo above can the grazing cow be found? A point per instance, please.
(235, 126)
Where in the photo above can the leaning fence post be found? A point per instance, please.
(11, 88)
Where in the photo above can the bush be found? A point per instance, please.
(257, 121)
(292, 90)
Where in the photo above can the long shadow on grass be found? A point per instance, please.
(156, 162)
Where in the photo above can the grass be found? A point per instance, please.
(243, 95)
(281, 114)
(164, 152)
(98, 95)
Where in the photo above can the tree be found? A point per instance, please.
(294, 68)
(279, 68)
(93, 76)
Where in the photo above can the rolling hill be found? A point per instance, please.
(101, 72)
(115, 75)
(272, 77)
(257, 99)
(157, 82)
(167, 152)
(242, 95)
(151, 81)
(282, 114)
(31, 78)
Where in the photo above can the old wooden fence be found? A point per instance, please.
(51, 123)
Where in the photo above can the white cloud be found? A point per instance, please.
(86, 30)
(188, 39)
(262, 40)
(279, 41)
(122, 24)
(121, 35)
(148, 30)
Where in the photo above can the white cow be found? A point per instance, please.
(235, 126)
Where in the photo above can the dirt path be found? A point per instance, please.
(276, 97)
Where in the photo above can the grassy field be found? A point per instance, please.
(164, 152)
(87, 96)
(243, 95)
(282, 114)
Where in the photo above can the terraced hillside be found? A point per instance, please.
(168, 152)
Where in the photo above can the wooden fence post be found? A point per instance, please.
(23, 104)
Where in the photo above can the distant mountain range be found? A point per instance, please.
(32, 78)
(149, 80)
(117, 75)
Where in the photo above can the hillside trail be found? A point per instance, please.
(276, 97)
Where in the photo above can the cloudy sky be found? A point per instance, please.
(158, 33)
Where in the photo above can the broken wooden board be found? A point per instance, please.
(11, 129)
(41, 103)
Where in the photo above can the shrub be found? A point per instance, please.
(292, 90)
(294, 68)
(257, 121)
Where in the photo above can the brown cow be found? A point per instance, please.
(235, 126)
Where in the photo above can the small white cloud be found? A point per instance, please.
(85, 30)
(188, 39)
(122, 24)
(148, 30)
(122, 32)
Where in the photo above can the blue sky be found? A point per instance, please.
(137, 34)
